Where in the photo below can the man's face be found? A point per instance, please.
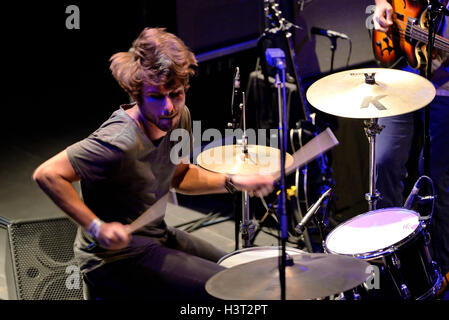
(162, 107)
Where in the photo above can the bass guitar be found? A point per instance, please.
(408, 36)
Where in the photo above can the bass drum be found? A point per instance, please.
(396, 243)
(252, 254)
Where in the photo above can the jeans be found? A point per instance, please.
(392, 151)
(176, 267)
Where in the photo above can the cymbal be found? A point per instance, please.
(312, 276)
(229, 159)
(346, 94)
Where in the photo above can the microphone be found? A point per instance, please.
(413, 195)
(328, 33)
(237, 78)
(234, 99)
(302, 224)
(235, 87)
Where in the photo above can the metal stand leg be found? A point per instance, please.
(247, 226)
(372, 128)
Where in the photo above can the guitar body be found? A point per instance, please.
(390, 47)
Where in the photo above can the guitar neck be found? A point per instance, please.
(417, 33)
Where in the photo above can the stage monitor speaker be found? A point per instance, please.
(37, 260)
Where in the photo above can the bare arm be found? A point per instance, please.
(55, 177)
(191, 179)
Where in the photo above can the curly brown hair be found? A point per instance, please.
(156, 58)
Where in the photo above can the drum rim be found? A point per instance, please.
(383, 251)
(253, 249)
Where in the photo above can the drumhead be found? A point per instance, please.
(255, 253)
(373, 231)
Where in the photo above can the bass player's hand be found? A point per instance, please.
(383, 15)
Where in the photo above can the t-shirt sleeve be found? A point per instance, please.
(94, 159)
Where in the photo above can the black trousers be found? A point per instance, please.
(175, 267)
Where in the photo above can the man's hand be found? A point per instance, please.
(114, 236)
(383, 16)
(255, 185)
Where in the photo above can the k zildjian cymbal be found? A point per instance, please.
(347, 93)
(229, 159)
(311, 276)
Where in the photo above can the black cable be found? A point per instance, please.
(350, 52)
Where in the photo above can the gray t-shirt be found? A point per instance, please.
(122, 174)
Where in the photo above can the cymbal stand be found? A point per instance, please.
(247, 225)
(372, 128)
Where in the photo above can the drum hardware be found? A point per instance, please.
(427, 238)
(406, 295)
(311, 276)
(417, 202)
(271, 210)
(372, 129)
(396, 275)
(346, 94)
(300, 228)
(356, 295)
(254, 253)
(247, 225)
(239, 163)
(311, 181)
(371, 93)
(406, 268)
(276, 58)
(396, 262)
(263, 159)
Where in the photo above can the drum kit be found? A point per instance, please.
(390, 245)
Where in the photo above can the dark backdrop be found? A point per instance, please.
(55, 79)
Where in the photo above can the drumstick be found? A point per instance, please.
(323, 142)
(150, 215)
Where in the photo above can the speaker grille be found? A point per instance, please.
(43, 258)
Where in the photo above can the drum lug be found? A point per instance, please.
(340, 297)
(396, 262)
(405, 292)
(427, 238)
(356, 295)
(248, 230)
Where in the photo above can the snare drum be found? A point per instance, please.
(255, 253)
(396, 241)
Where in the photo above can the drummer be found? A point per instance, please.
(125, 167)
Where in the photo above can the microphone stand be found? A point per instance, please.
(279, 60)
(333, 49)
(282, 28)
(301, 227)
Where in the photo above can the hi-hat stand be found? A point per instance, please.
(246, 226)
